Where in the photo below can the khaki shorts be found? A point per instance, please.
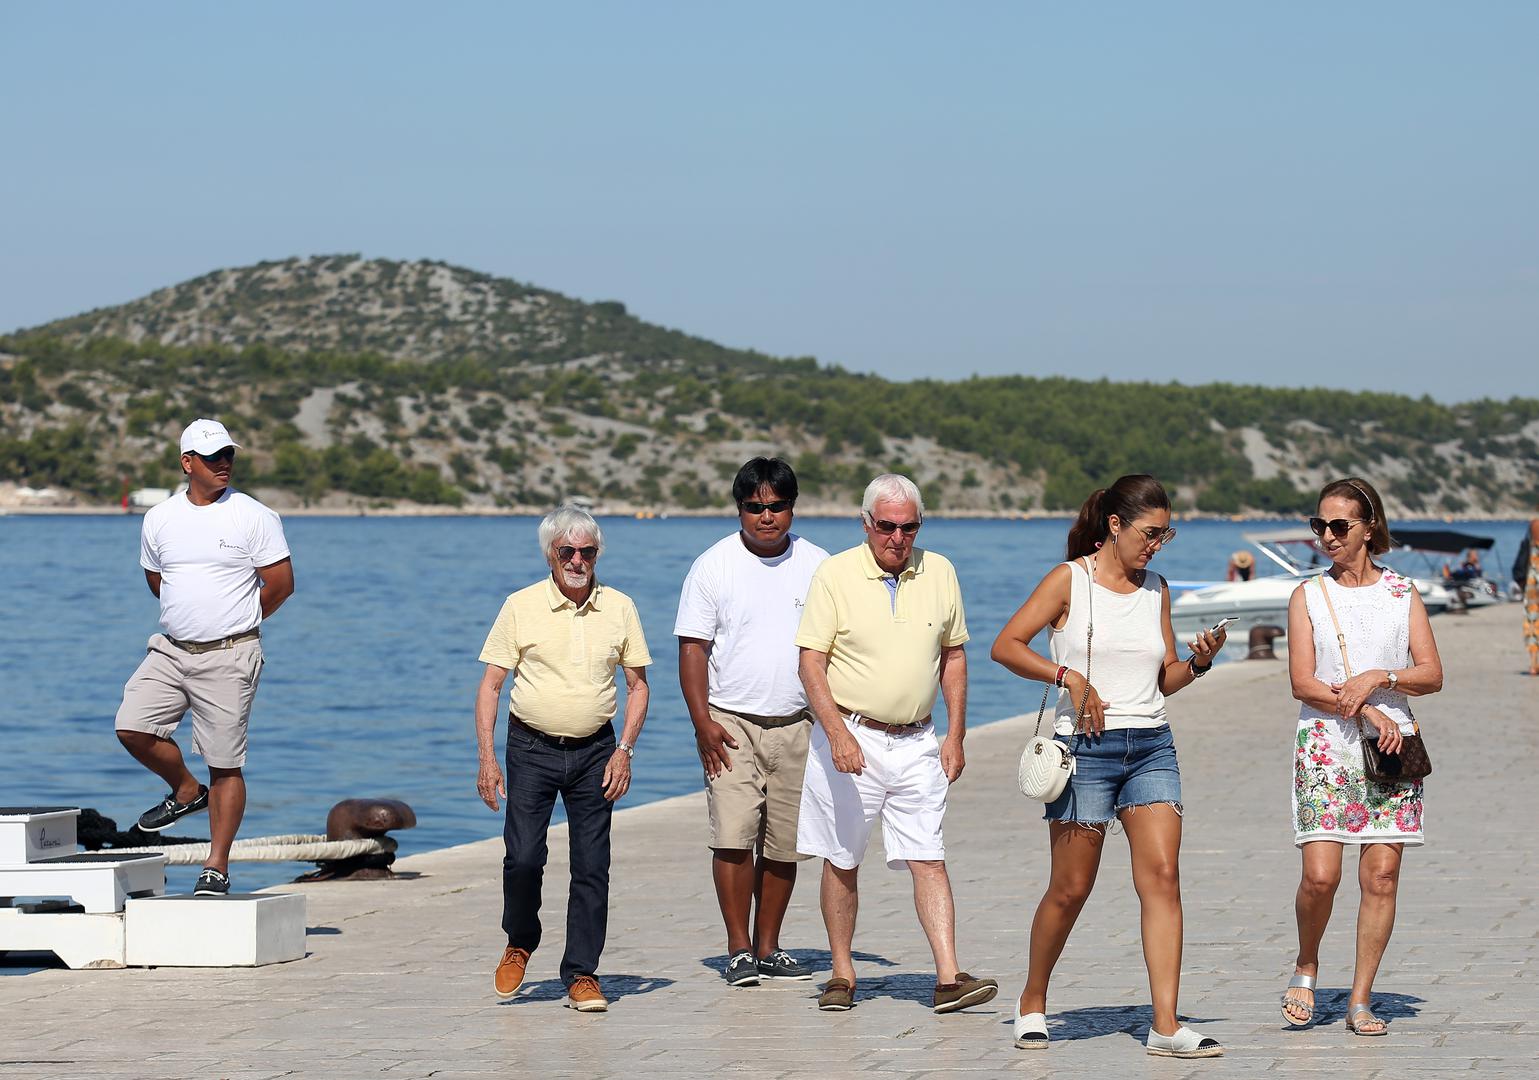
(217, 687)
(757, 802)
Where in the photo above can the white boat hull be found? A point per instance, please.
(1261, 602)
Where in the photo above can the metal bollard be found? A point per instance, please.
(1261, 638)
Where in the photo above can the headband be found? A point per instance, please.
(1367, 499)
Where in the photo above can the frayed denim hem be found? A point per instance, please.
(1177, 807)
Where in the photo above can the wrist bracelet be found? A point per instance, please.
(1063, 669)
(1197, 672)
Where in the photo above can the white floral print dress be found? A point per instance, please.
(1332, 799)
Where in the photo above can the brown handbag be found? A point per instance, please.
(1412, 762)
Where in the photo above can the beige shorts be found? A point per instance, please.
(758, 800)
(217, 687)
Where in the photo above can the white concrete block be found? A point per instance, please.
(99, 881)
(30, 833)
(81, 941)
(238, 930)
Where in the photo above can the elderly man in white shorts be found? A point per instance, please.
(219, 564)
(881, 635)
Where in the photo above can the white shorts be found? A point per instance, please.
(902, 783)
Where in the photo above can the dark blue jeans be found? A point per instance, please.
(537, 773)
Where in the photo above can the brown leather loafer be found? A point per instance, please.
(949, 997)
(509, 975)
(838, 996)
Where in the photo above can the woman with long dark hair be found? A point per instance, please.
(1384, 630)
(1109, 612)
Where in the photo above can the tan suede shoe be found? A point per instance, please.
(510, 971)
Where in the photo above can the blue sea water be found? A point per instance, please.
(371, 666)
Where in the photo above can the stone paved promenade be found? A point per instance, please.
(398, 980)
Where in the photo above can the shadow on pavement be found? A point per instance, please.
(615, 987)
(818, 960)
(1096, 1020)
(1331, 1005)
(27, 962)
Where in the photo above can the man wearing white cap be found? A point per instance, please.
(218, 561)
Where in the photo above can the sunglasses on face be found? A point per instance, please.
(227, 454)
(1339, 526)
(887, 528)
(566, 551)
(779, 506)
(1153, 536)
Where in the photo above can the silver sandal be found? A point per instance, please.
(1366, 1012)
(1299, 982)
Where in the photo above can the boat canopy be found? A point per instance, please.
(1445, 541)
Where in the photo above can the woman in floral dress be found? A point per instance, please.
(1393, 655)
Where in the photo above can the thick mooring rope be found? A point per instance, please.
(295, 848)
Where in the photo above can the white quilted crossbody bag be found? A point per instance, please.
(1046, 764)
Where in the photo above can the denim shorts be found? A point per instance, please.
(1118, 771)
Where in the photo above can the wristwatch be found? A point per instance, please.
(630, 751)
(1394, 679)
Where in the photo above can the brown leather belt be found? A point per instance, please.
(767, 721)
(877, 725)
(564, 742)
(196, 647)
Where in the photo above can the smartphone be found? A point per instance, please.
(1216, 627)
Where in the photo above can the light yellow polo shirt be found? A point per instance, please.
(563, 657)
(883, 663)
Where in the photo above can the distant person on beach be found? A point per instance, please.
(881, 635)
(1242, 564)
(736, 626)
(562, 639)
(219, 563)
(1388, 642)
(1531, 599)
(1114, 655)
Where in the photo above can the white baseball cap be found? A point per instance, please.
(206, 437)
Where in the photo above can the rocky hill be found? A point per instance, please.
(359, 382)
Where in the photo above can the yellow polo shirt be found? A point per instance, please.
(883, 663)
(563, 657)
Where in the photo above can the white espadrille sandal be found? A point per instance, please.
(1185, 1043)
(1031, 1031)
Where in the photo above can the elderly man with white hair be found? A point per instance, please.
(561, 638)
(882, 633)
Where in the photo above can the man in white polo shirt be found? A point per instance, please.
(738, 614)
(219, 563)
(882, 634)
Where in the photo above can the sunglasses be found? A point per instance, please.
(779, 506)
(887, 528)
(1154, 536)
(1339, 526)
(566, 551)
(227, 454)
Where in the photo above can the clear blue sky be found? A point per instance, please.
(1295, 194)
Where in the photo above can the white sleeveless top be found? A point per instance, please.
(1376, 620)
(1125, 659)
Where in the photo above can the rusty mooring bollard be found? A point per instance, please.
(1261, 638)
(359, 819)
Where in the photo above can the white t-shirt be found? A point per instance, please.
(748, 608)
(207, 558)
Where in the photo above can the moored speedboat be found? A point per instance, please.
(1263, 601)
